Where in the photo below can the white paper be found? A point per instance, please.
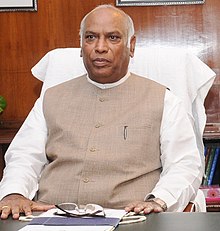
(115, 213)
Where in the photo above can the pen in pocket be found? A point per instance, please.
(125, 132)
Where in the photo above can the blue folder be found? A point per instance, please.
(70, 221)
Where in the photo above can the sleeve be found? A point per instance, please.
(25, 157)
(182, 168)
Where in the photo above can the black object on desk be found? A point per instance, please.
(154, 222)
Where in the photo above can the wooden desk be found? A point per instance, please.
(6, 136)
(154, 222)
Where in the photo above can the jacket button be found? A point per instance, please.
(92, 149)
(101, 99)
(85, 180)
(98, 125)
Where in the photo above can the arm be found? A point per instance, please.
(181, 162)
(25, 158)
(182, 166)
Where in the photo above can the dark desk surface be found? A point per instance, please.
(154, 222)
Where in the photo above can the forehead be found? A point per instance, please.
(107, 20)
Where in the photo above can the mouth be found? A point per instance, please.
(101, 62)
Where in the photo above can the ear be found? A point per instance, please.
(132, 45)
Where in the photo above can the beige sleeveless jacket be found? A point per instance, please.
(103, 145)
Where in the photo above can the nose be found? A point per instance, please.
(101, 46)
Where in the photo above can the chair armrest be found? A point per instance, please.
(189, 208)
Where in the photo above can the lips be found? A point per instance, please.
(101, 62)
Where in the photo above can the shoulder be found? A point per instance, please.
(72, 83)
(174, 107)
(146, 80)
(171, 99)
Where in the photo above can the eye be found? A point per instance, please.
(114, 38)
(90, 37)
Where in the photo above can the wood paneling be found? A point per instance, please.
(27, 36)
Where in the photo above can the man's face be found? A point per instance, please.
(104, 46)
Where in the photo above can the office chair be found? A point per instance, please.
(183, 73)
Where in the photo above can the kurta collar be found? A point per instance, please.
(108, 85)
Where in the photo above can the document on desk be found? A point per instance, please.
(47, 221)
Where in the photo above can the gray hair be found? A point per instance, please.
(129, 22)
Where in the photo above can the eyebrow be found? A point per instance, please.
(110, 32)
(90, 32)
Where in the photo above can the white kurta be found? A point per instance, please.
(182, 167)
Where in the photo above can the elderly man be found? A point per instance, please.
(114, 139)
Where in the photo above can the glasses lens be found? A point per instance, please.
(93, 208)
(90, 208)
(68, 206)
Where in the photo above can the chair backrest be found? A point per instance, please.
(183, 73)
